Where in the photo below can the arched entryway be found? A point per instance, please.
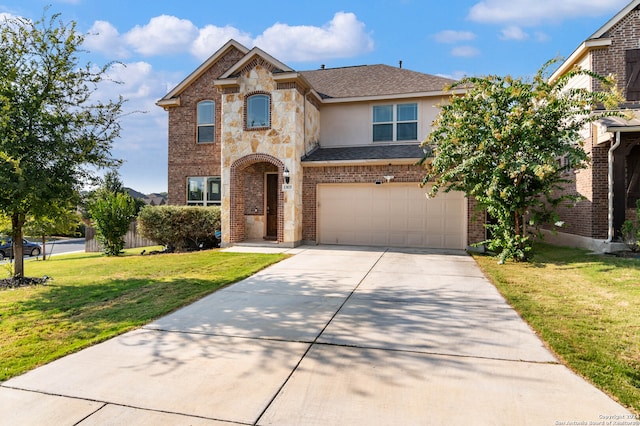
(256, 199)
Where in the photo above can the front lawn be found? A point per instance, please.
(586, 307)
(92, 298)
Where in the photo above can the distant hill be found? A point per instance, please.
(155, 199)
(135, 194)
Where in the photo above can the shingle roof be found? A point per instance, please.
(631, 122)
(372, 80)
(376, 152)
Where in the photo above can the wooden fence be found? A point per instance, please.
(131, 240)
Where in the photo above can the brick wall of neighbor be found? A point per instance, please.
(186, 157)
(364, 174)
(611, 60)
(600, 189)
(589, 216)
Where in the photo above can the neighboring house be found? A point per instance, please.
(611, 184)
(149, 199)
(325, 156)
(155, 199)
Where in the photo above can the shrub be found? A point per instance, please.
(180, 228)
(111, 216)
(631, 231)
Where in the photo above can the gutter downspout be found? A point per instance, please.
(610, 182)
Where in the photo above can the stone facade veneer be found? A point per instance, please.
(293, 130)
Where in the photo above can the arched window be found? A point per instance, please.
(206, 121)
(258, 111)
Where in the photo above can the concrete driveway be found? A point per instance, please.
(330, 336)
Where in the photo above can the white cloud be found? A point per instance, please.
(513, 32)
(211, 38)
(532, 12)
(451, 36)
(134, 79)
(142, 141)
(465, 51)
(542, 37)
(455, 75)
(343, 36)
(104, 37)
(163, 34)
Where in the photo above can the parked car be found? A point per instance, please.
(28, 248)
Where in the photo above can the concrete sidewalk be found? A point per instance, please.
(330, 336)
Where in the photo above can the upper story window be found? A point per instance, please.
(258, 111)
(206, 121)
(395, 122)
(203, 191)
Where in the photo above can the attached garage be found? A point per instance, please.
(390, 214)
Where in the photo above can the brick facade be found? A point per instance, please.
(247, 190)
(589, 217)
(611, 60)
(186, 157)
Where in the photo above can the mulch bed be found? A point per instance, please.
(8, 283)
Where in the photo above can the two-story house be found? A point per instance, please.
(323, 157)
(610, 186)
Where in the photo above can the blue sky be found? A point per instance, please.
(160, 42)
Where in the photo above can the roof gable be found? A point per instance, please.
(617, 18)
(176, 91)
(372, 80)
(251, 56)
(597, 40)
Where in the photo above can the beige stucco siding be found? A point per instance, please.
(582, 81)
(351, 124)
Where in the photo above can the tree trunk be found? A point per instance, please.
(17, 221)
(44, 247)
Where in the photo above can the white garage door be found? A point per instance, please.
(391, 214)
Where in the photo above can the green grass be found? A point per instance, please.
(586, 307)
(92, 298)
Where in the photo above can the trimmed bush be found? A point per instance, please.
(180, 228)
(111, 216)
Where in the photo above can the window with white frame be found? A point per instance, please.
(397, 122)
(203, 191)
(206, 122)
(258, 110)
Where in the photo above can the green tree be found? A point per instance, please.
(500, 143)
(111, 216)
(110, 183)
(53, 133)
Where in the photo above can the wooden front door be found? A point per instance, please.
(272, 206)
